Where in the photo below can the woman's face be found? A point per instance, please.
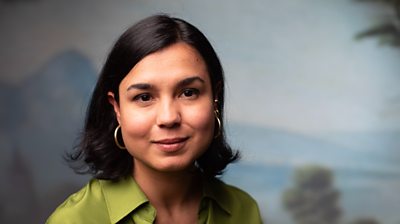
(166, 109)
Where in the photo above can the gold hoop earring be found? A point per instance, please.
(216, 113)
(116, 138)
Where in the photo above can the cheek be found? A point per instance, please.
(202, 119)
(135, 124)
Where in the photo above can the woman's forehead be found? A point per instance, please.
(177, 61)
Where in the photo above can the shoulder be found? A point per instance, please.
(240, 204)
(237, 196)
(85, 206)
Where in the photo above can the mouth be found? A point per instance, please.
(171, 140)
(171, 144)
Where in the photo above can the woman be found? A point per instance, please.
(154, 138)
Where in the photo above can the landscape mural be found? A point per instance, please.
(313, 101)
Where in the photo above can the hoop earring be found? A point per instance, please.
(216, 113)
(116, 138)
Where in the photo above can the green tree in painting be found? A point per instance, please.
(388, 31)
(313, 199)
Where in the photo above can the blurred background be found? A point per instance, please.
(313, 100)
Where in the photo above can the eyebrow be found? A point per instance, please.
(139, 86)
(189, 81)
(184, 82)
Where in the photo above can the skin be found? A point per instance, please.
(166, 113)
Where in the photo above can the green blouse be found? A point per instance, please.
(102, 201)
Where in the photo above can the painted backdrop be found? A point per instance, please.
(301, 90)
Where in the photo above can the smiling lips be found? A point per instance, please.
(171, 144)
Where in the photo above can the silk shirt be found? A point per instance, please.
(123, 202)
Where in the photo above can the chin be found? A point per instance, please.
(175, 167)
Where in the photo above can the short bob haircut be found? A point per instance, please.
(96, 147)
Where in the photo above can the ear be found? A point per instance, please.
(216, 104)
(217, 93)
(114, 103)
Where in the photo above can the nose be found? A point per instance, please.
(168, 115)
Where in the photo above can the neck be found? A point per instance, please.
(168, 189)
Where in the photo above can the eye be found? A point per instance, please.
(190, 93)
(144, 97)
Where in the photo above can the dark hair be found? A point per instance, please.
(97, 148)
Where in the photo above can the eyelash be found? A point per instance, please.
(140, 97)
(145, 97)
(193, 91)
